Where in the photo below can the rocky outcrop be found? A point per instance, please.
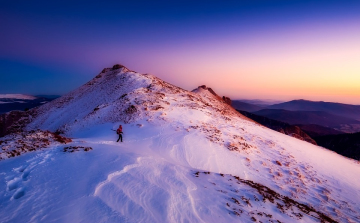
(14, 121)
(225, 99)
(296, 132)
(120, 66)
(19, 143)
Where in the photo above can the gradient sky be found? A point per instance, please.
(243, 49)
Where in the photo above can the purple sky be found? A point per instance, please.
(243, 49)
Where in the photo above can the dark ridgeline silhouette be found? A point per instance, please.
(243, 106)
(345, 110)
(345, 144)
(322, 118)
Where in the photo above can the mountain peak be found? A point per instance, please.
(206, 88)
(120, 95)
(120, 66)
(115, 68)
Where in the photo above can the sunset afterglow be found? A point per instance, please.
(245, 50)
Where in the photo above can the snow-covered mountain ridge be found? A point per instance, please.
(186, 157)
(123, 95)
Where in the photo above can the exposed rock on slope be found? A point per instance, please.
(225, 99)
(296, 132)
(17, 144)
(14, 121)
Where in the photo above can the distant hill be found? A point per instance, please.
(310, 117)
(260, 102)
(346, 110)
(49, 96)
(318, 130)
(344, 144)
(20, 102)
(279, 126)
(16, 97)
(243, 106)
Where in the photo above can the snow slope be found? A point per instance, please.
(186, 157)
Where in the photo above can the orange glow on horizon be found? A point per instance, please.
(325, 68)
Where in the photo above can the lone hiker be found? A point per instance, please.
(119, 132)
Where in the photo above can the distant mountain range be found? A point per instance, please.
(346, 110)
(48, 96)
(21, 102)
(337, 116)
(260, 102)
(244, 106)
(309, 117)
(334, 126)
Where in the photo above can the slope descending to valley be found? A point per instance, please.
(279, 126)
(344, 144)
(186, 157)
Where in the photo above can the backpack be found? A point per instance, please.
(119, 130)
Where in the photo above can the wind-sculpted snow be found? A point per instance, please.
(162, 192)
(186, 157)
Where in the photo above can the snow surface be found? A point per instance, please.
(17, 96)
(186, 157)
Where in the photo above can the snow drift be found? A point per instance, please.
(186, 157)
